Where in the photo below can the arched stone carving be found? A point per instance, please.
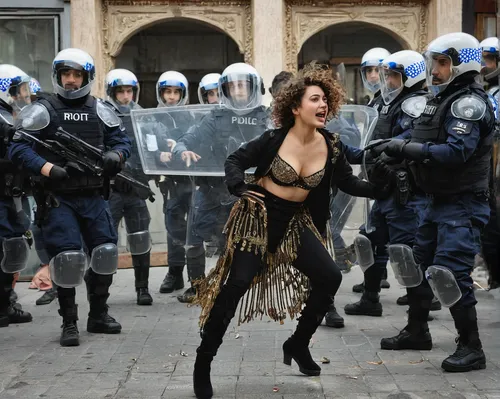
(405, 20)
(124, 18)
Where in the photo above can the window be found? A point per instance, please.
(486, 26)
(30, 43)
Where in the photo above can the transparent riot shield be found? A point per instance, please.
(355, 124)
(186, 148)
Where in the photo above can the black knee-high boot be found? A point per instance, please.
(141, 271)
(297, 346)
(213, 332)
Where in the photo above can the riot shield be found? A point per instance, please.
(355, 124)
(192, 140)
(187, 146)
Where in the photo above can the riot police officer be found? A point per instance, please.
(122, 92)
(172, 90)
(394, 219)
(14, 94)
(219, 133)
(208, 89)
(450, 150)
(69, 198)
(371, 81)
(490, 238)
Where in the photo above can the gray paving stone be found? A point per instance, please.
(145, 360)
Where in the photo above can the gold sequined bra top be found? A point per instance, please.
(283, 174)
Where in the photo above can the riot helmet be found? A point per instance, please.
(399, 70)
(122, 89)
(240, 88)
(14, 86)
(70, 66)
(369, 67)
(208, 89)
(450, 56)
(172, 89)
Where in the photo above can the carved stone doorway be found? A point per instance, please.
(187, 46)
(346, 43)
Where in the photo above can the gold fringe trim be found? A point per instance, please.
(279, 288)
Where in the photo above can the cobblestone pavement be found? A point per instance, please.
(153, 356)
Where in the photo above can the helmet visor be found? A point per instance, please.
(370, 77)
(391, 84)
(439, 71)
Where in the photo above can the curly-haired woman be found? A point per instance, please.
(275, 250)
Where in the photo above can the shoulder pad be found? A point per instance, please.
(414, 106)
(469, 107)
(34, 116)
(107, 115)
(6, 117)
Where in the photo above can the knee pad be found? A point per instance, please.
(406, 270)
(104, 259)
(67, 269)
(444, 285)
(139, 243)
(364, 252)
(15, 254)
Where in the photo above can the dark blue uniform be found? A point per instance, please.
(219, 134)
(13, 222)
(125, 202)
(394, 220)
(451, 160)
(78, 211)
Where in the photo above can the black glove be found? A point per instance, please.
(57, 173)
(395, 147)
(238, 190)
(382, 177)
(112, 163)
(122, 186)
(7, 131)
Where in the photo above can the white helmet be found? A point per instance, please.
(174, 79)
(490, 55)
(207, 83)
(402, 69)
(12, 81)
(372, 58)
(73, 58)
(245, 83)
(121, 77)
(461, 49)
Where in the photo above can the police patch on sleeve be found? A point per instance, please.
(462, 127)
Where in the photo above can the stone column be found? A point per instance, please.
(445, 16)
(268, 40)
(86, 34)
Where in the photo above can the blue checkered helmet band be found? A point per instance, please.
(5, 84)
(413, 70)
(466, 55)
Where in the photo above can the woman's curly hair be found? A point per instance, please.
(290, 95)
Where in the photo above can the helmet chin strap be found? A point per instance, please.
(492, 75)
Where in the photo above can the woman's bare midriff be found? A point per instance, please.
(293, 194)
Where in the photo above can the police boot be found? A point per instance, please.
(368, 305)
(402, 300)
(47, 297)
(358, 288)
(195, 258)
(141, 271)
(297, 346)
(173, 280)
(416, 333)
(70, 336)
(68, 310)
(435, 305)
(99, 320)
(211, 338)
(14, 311)
(384, 283)
(332, 318)
(4, 317)
(469, 354)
